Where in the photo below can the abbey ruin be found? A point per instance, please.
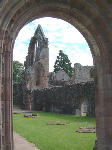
(74, 95)
(36, 66)
(93, 18)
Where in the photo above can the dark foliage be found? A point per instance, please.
(63, 63)
(18, 69)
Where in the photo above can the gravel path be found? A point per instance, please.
(21, 143)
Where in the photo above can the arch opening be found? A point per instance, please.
(52, 107)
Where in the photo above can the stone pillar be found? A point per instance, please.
(104, 108)
(0, 102)
(8, 100)
(44, 60)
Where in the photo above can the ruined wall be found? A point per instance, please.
(82, 73)
(58, 79)
(36, 66)
(66, 99)
(37, 61)
(37, 81)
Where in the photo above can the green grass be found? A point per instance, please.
(55, 137)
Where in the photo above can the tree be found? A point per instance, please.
(63, 62)
(18, 69)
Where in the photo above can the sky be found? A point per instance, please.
(61, 36)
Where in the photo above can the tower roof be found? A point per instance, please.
(39, 32)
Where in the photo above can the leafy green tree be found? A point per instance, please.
(18, 69)
(63, 62)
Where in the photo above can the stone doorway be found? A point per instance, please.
(93, 20)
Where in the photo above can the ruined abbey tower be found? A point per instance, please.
(36, 65)
(37, 61)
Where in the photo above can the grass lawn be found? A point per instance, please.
(55, 137)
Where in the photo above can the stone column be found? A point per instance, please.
(44, 60)
(104, 108)
(0, 102)
(8, 100)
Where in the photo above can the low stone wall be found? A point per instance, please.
(66, 99)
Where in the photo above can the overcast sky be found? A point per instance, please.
(61, 36)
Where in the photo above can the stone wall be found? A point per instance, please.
(37, 61)
(58, 79)
(66, 99)
(82, 73)
(36, 66)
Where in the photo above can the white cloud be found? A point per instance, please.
(60, 29)
(79, 56)
(61, 35)
(20, 52)
(53, 52)
(25, 33)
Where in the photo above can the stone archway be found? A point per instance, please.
(93, 19)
